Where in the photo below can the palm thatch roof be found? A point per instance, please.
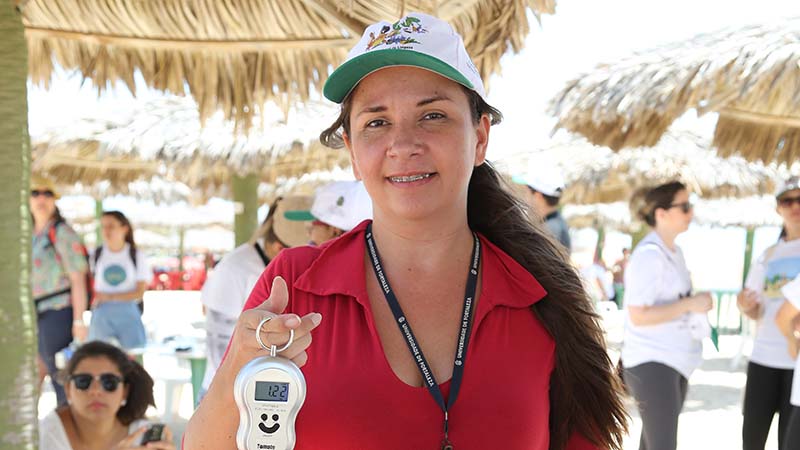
(238, 54)
(164, 135)
(750, 76)
(753, 211)
(597, 175)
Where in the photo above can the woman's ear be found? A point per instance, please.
(482, 141)
(349, 145)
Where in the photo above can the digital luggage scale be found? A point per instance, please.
(269, 391)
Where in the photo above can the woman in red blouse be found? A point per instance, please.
(450, 320)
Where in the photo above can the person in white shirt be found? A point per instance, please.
(771, 367)
(121, 275)
(227, 288)
(107, 397)
(664, 322)
(788, 321)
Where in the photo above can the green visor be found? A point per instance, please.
(344, 79)
(298, 215)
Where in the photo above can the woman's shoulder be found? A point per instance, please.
(52, 435)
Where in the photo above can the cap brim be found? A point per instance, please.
(519, 180)
(343, 79)
(298, 215)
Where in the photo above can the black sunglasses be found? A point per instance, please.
(108, 381)
(786, 202)
(684, 206)
(48, 193)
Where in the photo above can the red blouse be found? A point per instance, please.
(355, 401)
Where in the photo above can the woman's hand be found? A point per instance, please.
(132, 441)
(747, 302)
(244, 347)
(700, 303)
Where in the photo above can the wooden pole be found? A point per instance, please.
(245, 200)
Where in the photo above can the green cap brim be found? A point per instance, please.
(298, 215)
(519, 179)
(344, 79)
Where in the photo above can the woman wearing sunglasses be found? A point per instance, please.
(108, 395)
(770, 370)
(664, 322)
(58, 279)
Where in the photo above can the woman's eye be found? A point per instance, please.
(433, 115)
(375, 123)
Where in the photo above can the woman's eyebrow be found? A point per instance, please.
(436, 98)
(423, 102)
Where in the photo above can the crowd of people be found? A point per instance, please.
(431, 238)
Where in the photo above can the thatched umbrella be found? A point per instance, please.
(746, 212)
(597, 175)
(238, 54)
(750, 76)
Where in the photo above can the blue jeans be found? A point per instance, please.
(55, 333)
(118, 320)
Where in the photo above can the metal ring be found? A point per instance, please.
(273, 347)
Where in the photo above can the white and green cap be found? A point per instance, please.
(417, 40)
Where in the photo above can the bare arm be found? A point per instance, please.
(785, 320)
(133, 295)
(747, 302)
(215, 422)
(77, 282)
(656, 314)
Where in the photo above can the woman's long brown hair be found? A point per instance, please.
(585, 393)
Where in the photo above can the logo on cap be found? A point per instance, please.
(396, 34)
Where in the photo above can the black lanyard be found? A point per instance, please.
(411, 341)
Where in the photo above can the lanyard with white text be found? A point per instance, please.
(411, 341)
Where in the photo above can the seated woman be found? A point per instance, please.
(107, 396)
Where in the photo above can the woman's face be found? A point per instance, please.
(789, 207)
(42, 202)
(675, 218)
(413, 142)
(320, 233)
(113, 230)
(96, 402)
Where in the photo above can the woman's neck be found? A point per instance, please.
(39, 222)
(422, 245)
(668, 237)
(792, 232)
(94, 432)
(115, 246)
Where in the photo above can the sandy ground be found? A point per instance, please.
(711, 418)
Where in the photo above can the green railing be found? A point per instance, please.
(728, 319)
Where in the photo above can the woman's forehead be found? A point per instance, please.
(99, 364)
(403, 81)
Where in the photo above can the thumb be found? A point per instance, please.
(278, 297)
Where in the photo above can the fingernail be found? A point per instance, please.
(316, 318)
(292, 321)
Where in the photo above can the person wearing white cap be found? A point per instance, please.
(449, 293)
(770, 370)
(226, 289)
(545, 186)
(338, 207)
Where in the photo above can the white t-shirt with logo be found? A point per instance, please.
(776, 267)
(656, 276)
(224, 294)
(792, 293)
(115, 273)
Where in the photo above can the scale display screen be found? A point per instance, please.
(271, 392)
